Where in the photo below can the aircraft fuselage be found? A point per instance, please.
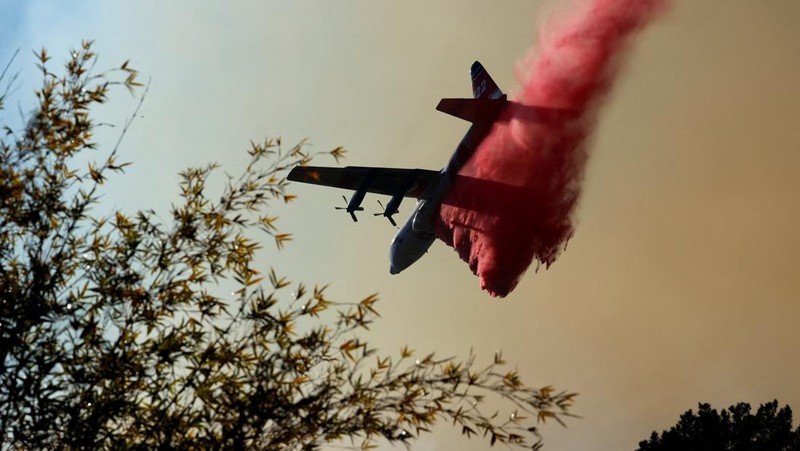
(419, 230)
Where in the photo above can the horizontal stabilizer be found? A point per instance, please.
(489, 111)
(474, 110)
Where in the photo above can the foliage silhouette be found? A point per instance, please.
(734, 429)
(114, 333)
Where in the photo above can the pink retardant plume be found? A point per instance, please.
(532, 171)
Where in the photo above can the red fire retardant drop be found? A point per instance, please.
(514, 201)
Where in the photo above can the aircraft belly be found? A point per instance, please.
(418, 245)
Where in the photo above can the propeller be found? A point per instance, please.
(383, 213)
(347, 208)
(345, 203)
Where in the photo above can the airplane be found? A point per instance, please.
(429, 187)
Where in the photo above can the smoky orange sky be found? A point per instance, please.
(681, 282)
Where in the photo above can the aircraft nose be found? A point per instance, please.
(394, 267)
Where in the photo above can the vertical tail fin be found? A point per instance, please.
(483, 87)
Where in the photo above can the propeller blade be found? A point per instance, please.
(345, 203)
(381, 213)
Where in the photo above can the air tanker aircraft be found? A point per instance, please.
(428, 187)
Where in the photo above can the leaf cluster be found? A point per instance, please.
(115, 332)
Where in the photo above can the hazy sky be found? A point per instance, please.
(681, 284)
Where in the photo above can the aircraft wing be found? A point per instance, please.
(388, 181)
